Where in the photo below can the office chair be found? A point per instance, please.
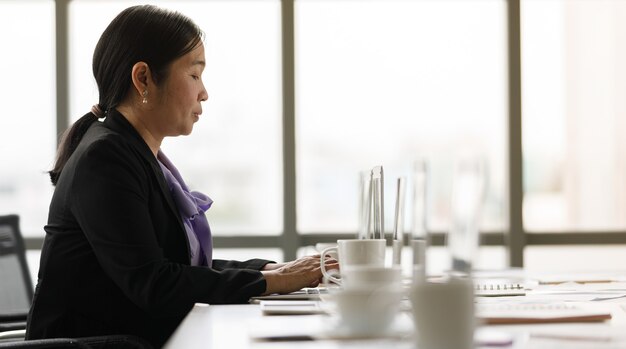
(16, 293)
(16, 289)
(98, 342)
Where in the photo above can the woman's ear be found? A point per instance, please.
(141, 78)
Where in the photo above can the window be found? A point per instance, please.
(387, 82)
(564, 258)
(377, 82)
(234, 154)
(28, 141)
(574, 114)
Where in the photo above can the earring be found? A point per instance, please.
(144, 94)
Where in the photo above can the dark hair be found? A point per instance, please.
(140, 33)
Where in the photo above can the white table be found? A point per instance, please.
(234, 326)
(230, 326)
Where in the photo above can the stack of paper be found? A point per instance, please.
(528, 313)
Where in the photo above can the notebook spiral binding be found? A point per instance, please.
(495, 287)
(495, 290)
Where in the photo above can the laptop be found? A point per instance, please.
(304, 294)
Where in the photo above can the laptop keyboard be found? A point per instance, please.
(311, 290)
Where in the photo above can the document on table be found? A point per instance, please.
(529, 313)
(576, 292)
(585, 335)
(291, 307)
(307, 293)
(579, 278)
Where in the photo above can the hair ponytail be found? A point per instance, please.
(69, 141)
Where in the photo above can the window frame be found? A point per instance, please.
(289, 240)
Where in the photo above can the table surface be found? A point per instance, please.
(243, 325)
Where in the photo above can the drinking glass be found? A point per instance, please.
(467, 200)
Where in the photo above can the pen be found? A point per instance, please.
(398, 227)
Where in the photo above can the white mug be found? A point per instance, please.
(443, 314)
(370, 277)
(321, 246)
(355, 252)
(367, 312)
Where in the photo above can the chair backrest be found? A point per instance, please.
(16, 287)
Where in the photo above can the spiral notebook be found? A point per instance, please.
(498, 289)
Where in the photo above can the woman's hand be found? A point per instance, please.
(272, 266)
(294, 275)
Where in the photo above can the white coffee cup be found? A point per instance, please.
(443, 314)
(355, 252)
(370, 277)
(321, 246)
(367, 312)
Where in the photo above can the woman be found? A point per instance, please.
(127, 247)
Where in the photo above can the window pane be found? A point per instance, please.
(543, 259)
(234, 154)
(27, 145)
(574, 114)
(385, 82)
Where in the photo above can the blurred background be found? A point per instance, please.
(306, 94)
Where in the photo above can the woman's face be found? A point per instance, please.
(177, 102)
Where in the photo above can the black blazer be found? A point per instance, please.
(115, 258)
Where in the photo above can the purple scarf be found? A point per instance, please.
(191, 206)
